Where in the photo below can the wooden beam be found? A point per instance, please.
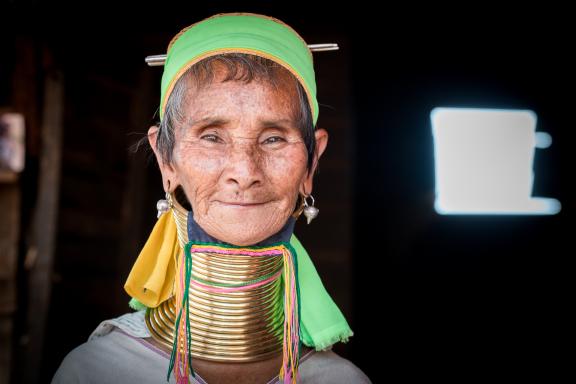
(40, 255)
(9, 234)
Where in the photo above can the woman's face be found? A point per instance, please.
(240, 158)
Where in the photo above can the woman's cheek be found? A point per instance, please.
(196, 160)
(199, 173)
(286, 165)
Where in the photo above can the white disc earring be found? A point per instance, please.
(310, 211)
(163, 205)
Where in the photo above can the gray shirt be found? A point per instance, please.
(118, 351)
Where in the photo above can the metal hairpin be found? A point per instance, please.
(158, 60)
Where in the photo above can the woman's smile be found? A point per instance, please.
(242, 204)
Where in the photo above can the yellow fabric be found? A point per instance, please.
(151, 280)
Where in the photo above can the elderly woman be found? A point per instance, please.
(223, 290)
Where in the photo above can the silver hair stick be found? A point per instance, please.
(158, 60)
(323, 47)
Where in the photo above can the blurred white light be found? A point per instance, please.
(484, 159)
(543, 140)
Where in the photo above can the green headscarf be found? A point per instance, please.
(240, 33)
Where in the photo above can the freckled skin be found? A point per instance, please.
(241, 176)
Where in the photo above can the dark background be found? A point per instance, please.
(447, 297)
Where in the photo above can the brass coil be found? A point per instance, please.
(239, 326)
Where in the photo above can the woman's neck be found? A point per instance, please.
(197, 234)
(232, 327)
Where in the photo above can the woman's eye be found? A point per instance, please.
(211, 137)
(273, 140)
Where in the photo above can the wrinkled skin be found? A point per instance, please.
(240, 157)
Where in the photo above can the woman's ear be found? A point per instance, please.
(321, 143)
(169, 175)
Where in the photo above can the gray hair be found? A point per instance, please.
(240, 67)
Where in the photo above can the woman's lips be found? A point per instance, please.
(241, 204)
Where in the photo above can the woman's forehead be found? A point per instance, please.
(229, 98)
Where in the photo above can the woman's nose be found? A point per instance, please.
(244, 167)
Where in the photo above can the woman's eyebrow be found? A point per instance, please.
(210, 120)
(220, 121)
(281, 123)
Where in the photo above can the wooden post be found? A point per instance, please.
(24, 96)
(9, 233)
(40, 255)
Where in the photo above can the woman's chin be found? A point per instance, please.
(244, 228)
(242, 239)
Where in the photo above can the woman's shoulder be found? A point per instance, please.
(329, 367)
(91, 359)
(131, 323)
(113, 353)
